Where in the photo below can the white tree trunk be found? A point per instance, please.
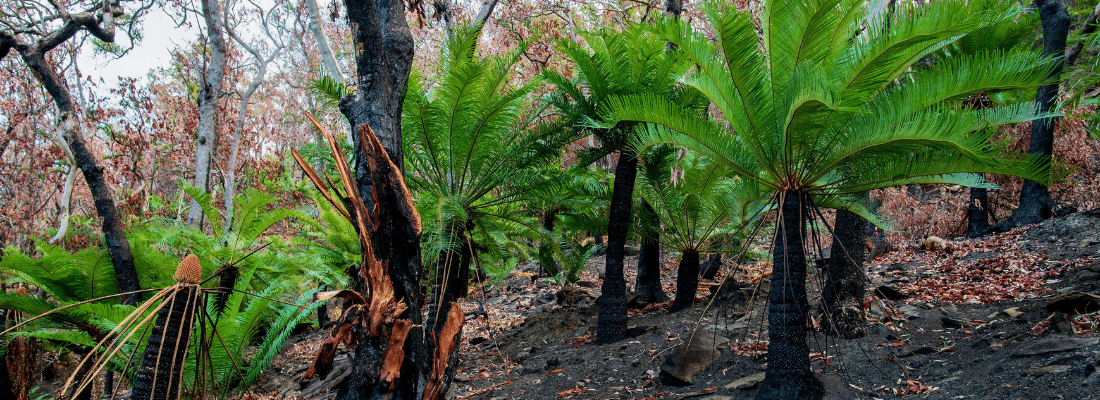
(242, 113)
(208, 105)
(322, 42)
(67, 193)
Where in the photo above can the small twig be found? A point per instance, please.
(483, 391)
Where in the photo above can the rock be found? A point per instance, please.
(1062, 324)
(691, 358)
(1050, 369)
(462, 378)
(1073, 303)
(949, 309)
(1013, 312)
(747, 382)
(1054, 345)
(889, 293)
(955, 322)
(910, 311)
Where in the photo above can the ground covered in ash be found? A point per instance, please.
(966, 321)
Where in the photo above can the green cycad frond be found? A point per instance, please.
(698, 205)
(328, 91)
(470, 146)
(796, 116)
(205, 201)
(68, 277)
(612, 64)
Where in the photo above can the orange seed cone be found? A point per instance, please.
(189, 272)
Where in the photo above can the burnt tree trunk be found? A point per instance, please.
(545, 251)
(842, 297)
(383, 59)
(977, 212)
(113, 235)
(788, 375)
(161, 370)
(611, 322)
(687, 281)
(648, 287)
(1035, 202)
(712, 266)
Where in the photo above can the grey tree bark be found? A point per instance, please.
(208, 105)
(242, 111)
(322, 42)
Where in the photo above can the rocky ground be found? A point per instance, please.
(968, 320)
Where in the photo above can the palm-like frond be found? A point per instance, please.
(833, 91)
(470, 147)
(701, 202)
(328, 91)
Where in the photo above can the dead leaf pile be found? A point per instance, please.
(1006, 273)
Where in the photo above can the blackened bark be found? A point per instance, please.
(977, 213)
(842, 297)
(161, 370)
(226, 284)
(648, 287)
(113, 235)
(383, 59)
(611, 322)
(545, 253)
(674, 7)
(712, 266)
(1035, 202)
(687, 281)
(394, 239)
(788, 375)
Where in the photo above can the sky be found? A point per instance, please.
(161, 36)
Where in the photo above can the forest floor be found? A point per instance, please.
(973, 325)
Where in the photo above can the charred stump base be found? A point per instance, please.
(788, 375)
(687, 282)
(161, 370)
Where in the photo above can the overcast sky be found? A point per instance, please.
(161, 36)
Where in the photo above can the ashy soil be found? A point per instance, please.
(968, 321)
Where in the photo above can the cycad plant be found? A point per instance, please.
(613, 64)
(471, 145)
(700, 204)
(822, 105)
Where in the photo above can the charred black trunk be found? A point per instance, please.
(114, 236)
(648, 287)
(611, 323)
(788, 375)
(545, 252)
(977, 213)
(161, 370)
(712, 266)
(383, 58)
(452, 275)
(842, 297)
(225, 287)
(687, 281)
(1035, 202)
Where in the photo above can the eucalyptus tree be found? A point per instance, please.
(614, 64)
(820, 105)
(472, 144)
(39, 28)
(702, 203)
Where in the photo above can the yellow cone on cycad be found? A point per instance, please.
(189, 272)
